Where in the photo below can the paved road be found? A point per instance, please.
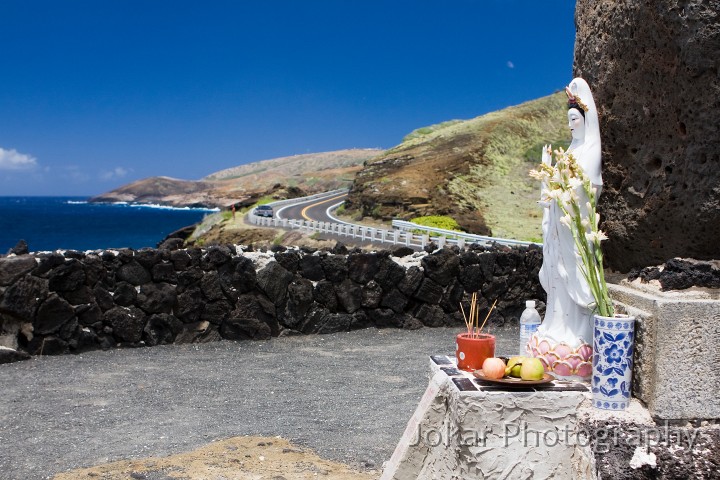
(315, 209)
(348, 396)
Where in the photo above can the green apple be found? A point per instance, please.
(532, 369)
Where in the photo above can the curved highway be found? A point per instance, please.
(315, 209)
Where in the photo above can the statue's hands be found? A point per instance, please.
(547, 155)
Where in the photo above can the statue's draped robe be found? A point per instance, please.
(567, 316)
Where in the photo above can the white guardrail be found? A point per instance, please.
(403, 233)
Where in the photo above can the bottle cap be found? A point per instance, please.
(530, 304)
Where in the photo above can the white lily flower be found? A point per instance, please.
(596, 237)
(555, 194)
(566, 220)
(585, 223)
(575, 182)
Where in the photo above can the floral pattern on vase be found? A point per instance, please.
(613, 342)
(560, 359)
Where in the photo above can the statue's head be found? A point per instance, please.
(576, 122)
(576, 111)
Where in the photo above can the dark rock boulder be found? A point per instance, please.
(125, 294)
(68, 276)
(273, 280)
(164, 272)
(472, 278)
(363, 267)
(371, 295)
(180, 259)
(216, 312)
(84, 341)
(127, 323)
(402, 251)
(52, 314)
(324, 294)
(190, 305)
(88, 314)
(389, 274)
(506, 264)
(244, 276)
(215, 256)
(290, 260)
(133, 273)
(249, 321)
(320, 320)
(161, 329)
(431, 315)
(12, 268)
(654, 74)
(335, 268)
(349, 295)
(394, 300)
(212, 287)
(452, 296)
(442, 266)
(48, 261)
(157, 298)
(299, 302)
(310, 267)
(412, 280)
(429, 292)
(148, 257)
(80, 296)
(20, 248)
(8, 355)
(189, 277)
(103, 298)
(21, 299)
(95, 271)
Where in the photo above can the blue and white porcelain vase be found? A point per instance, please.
(613, 341)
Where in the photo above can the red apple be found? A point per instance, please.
(493, 368)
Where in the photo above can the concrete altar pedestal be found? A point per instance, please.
(467, 429)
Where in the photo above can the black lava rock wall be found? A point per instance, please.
(55, 303)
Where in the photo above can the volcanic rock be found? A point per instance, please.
(654, 74)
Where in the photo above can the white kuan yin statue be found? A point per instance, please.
(564, 340)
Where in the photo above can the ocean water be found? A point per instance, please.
(70, 223)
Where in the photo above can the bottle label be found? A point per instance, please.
(527, 329)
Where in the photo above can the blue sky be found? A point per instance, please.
(96, 94)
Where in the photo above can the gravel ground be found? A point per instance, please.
(348, 396)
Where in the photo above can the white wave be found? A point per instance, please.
(76, 202)
(168, 207)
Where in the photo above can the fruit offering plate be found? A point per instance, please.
(513, 381)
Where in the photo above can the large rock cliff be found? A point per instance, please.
(654, 67)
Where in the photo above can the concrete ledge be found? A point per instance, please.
(464, 430)
(676, 349)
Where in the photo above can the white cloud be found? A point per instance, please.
(14, 160)
(510, 64)
(117, 172)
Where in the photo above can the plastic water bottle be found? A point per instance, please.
(529, 323)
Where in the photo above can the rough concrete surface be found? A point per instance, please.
(348, 396)
(677, 334)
